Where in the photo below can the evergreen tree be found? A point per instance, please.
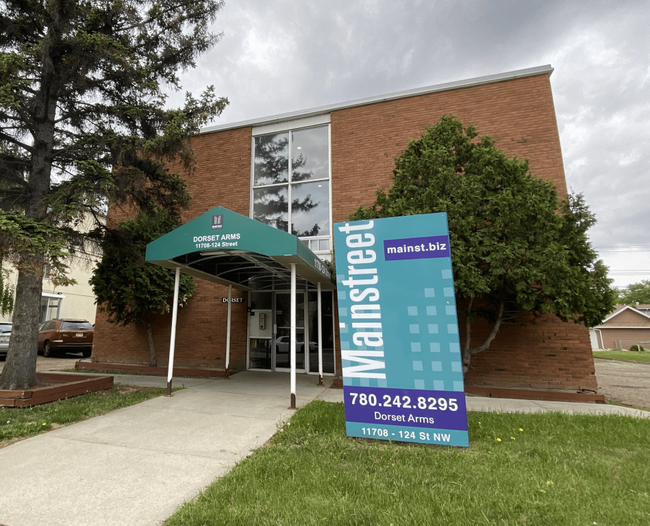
(515, 247)
(83, 125)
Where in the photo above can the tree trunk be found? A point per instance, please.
(20, 369)
(153, 361)
(468, 351)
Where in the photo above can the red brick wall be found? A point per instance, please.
(223, 172)
(519, 114)
(546, 354)
(221, 177)
(200, 334)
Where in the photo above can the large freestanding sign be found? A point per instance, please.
(400, 349)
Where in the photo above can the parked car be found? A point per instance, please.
(66, 335)
(5, 334)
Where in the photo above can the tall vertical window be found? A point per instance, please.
(291, 184)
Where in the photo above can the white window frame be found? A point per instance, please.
(289, 126)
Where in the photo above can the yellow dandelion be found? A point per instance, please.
(44, 424)
(520, 429)
(498, 440)
(549, 482)
(542, 490)
(512, 438)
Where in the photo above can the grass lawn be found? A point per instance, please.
(545, 469)
(18, 423)
(623, 355)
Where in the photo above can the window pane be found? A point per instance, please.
(270, 206)
(271, 159)
(309, 154)
(310, 209)
(283, 348)
(53, 308)
(75, 326)
(261, 300)
(260, 353)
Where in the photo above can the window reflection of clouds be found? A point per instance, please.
(309, 154)
(315, 220)
(310, 205)
(271, 206)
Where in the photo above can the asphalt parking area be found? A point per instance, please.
(47, 365)
(624, 382)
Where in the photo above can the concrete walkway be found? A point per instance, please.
(137, 465)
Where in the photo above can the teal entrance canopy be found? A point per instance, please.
(228, 248)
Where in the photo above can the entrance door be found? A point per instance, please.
(269, 329)
(261, 338)
(282, 326)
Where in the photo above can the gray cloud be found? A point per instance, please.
(283, 56)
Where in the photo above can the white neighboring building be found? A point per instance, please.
(73, 301)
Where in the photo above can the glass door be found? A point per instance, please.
(327, 320)
(260, 331)
(282, 326)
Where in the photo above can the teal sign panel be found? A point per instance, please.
(400, 348)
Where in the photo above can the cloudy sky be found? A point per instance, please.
(284, 55)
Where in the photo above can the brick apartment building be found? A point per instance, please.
(312, 168)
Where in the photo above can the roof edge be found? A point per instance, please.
(447, 86)
(622, 310)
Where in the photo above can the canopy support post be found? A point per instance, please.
(228, 331)
(172, 340)
(293, 336)
(320, 336)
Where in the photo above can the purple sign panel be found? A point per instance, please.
(405, 407)
(417, 248)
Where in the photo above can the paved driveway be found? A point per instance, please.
(46, 365)
(624, 382)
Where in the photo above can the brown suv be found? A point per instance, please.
(66, 335)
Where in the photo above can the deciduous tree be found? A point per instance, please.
(83, 124)
(129, 290)
(635, 293)
(515, 247)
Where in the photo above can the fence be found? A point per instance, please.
(626, 344)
